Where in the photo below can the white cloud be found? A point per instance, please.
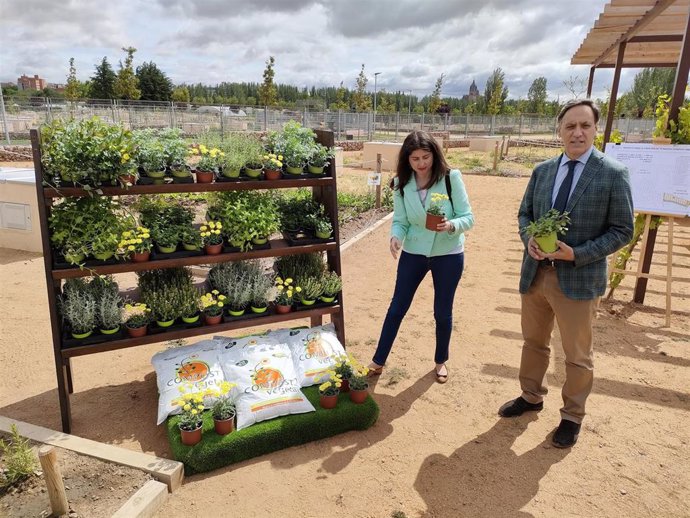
(314, 42)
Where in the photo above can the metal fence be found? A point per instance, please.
(22, 114)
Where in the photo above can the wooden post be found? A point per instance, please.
(496, 157)
(378, 187)
(56, 487)
(507, 145)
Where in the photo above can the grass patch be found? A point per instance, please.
(215, 451)
(396, 375)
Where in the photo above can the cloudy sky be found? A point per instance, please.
(314, 42)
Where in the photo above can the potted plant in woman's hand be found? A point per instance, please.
(435, 213)
(136, 317)
(546, 229)
(223, 409)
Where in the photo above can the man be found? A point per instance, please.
(595, 190)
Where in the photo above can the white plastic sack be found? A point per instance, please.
(313, 351)
(267, 385)
(197, 364)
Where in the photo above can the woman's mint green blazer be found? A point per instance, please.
(409, 217)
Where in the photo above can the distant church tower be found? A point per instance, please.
(474, 92)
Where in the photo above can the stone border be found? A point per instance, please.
(169, 472)
(145, 502)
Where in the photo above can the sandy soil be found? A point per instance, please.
(437, 450)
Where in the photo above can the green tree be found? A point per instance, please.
(537, 96)
(154, 84)
(72, 89)
(268, 93)
(385, 103)
(181, 95)
(495, 92)
(361, 99)
(647, 86)
(103, 82)
(126, 82)
(340, 103)
(435, 100)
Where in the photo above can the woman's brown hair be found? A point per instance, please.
(420, 140)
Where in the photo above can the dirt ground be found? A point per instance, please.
(436, 450)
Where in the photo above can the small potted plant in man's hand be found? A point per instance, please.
(212, 237)
(223, 409)
(435, 213)
(546, 229)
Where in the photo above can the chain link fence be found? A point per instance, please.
(21, 114)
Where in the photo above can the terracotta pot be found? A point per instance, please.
(328, 402)
(140, 257)
(190, 438)
(273, 174)
(212, 320)
(205, 176)
(358, 396)
(136, 332)
(213, 249)
(283, 308)
(225, 426)
(432, 220)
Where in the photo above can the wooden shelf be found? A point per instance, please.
(279, 247)
(172, 188)
(113, 345)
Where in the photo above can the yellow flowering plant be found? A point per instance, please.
(436, 205)
(211, 233)
(224, 406)
(359, 378)
(137, 240)
(212, 303)
(272, 161)
(136, 315)
(209, 158)
(343, 366)
(192, 406)
(332, 386)
(286, 290)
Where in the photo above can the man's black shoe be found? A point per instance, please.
(518, 407)
(566, 434)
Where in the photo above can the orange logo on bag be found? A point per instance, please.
(192, 370)
(266, 377)
(314, 346)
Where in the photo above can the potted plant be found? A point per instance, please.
(108, 317)
(78, 308)
(136, 243)
(546, 229)
(662, 132)
(160, 291)
(323, 228)
(188, 300)
(233, 210)
(311, 290)
(331, 284)
(329, 390)
(358, 381)
(191, 238)
(343, 368)
(150, 155)
(262, 292)
(212, 305)
(286, 292)
(174, 151)
(136, 318)
(223, 409)
(212, 237)
(209, 161)
(239, 150)
(435, 213)
(262, 218)
(320, 158)
(294, 143)
(273, 165)
(234, 280)
(192, 408)
(166, 237)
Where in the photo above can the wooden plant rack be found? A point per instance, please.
(323, 190)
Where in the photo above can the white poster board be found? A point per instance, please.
(374, 178)
(659, 176)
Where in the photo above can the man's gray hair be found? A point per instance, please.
(579, 102)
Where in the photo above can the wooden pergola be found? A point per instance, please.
(637, 34)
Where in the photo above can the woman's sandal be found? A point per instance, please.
(441, 378)
(374, 371)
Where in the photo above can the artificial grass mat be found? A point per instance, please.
(215, 451)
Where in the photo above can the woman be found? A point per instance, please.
(422, 170)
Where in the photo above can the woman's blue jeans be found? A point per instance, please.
(446, 271)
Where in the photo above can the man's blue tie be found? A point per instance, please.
(564, 191)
